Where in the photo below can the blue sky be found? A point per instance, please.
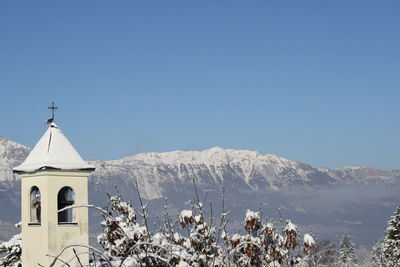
(314, 81)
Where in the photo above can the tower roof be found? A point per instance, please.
(53, 151)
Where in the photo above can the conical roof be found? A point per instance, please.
(53, 151)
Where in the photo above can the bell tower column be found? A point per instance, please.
(53, 177)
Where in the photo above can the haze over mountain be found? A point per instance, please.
(328, 202)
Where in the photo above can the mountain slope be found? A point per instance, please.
(247, 171)
(11, 155)
(330, 201)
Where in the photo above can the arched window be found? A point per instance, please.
(66, 197)
(35, 205)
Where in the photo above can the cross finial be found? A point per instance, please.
(53, 108)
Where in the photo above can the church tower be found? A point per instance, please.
(53, 176)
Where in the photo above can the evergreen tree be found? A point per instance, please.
(347, 257)
(391, 241)
(377, 254)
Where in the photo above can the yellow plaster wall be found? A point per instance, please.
(50, 237)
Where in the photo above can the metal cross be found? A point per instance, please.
(53, 108)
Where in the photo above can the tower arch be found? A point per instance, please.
(35, 205)
(65, 198)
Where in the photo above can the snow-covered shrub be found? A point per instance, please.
(197, 243)
(309, 243)
(291, 235)
(190, 240)
(252, 221)
(317, 254)
(124, 240)
(12, 251)
(200, 244)
(263, 244)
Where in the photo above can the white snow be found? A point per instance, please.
(182, 264)
(198, 218)
(308, 240)
(177, 237)
(11, 155)
(236, 237)
(290, 226)
(213, 156)
(185, 216)
(252, 215)
(55, 151)
(186, 213)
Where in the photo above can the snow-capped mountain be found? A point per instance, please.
(362, 175)
(242, 170)
(11, 155)
(216, 167)
(249, 170)
(320, 196)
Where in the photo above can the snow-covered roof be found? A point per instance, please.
(53, 151)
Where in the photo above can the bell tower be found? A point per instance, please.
(53, 176)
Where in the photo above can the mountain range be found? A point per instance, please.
(325, 201)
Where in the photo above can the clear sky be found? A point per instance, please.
(315, 81)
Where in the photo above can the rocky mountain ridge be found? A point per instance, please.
(11, 155)
(216, 166)
(331, 201)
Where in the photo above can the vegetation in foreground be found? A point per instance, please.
(191, 240)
